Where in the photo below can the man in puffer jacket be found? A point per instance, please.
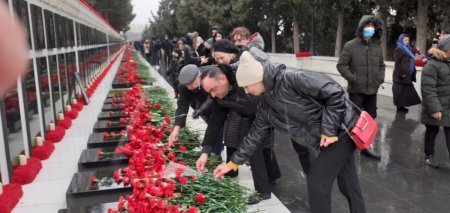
(220, 83)
(312, 108)
(362, 65)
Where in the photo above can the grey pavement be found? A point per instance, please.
(400, 182)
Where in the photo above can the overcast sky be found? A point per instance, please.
(142, 10)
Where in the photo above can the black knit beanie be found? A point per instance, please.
(225, 46)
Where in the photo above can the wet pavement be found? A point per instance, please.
(400, 182)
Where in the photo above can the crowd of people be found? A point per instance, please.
(243, 97)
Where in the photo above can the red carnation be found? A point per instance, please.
(121, 205)
(105, 136)
(182, 148)
(126, 181)
(100, 153)
(156, 191)
(193, 209)
(200, 198)
(167, 119)
(94, 180)
(182, 180)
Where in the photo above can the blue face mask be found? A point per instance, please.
(368, 32)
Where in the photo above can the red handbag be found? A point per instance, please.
(364, 131)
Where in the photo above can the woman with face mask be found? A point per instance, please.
(362, 65)
(404, 74)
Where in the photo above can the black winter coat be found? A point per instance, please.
(213, 115)
(188, 98)
(236, 111)
(401, 73)
(190, 56)
(435, 88)
(290, 105)
(361, 62)
(241, 111)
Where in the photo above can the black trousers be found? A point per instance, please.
(305, 155)
(365, 102)
(148, 57)
(335, 161)
(264, 167)
(430, 138)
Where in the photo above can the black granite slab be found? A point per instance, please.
(94, 208)
(109, 107)
(118, 95)
(82, 192)
(96, 141)
(111, 116)
(111, 100)
(121, 85)
(102, 126)
(91, 159)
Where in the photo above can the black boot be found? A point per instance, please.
(403, 109)
(252, 200)
(429, 161)
(370, 154)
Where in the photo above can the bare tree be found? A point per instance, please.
(421, 22)
(273, 37)
(382, 14)
(339, 33)
(296, 36)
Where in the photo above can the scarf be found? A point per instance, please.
(409, 51)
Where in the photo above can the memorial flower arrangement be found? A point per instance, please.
(132, 72)
(160, 173)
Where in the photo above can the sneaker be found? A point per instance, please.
(255, 199)
(429, 161)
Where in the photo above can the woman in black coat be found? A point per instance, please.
(435, 87)
(404, 74)
(290, 104)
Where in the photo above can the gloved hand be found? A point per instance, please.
(199, 112)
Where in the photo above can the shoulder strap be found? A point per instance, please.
(289, 83)
(320, 105)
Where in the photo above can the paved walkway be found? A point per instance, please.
(400, 182)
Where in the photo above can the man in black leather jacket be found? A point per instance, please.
(311, 107)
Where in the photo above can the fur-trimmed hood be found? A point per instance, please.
(438, 54)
